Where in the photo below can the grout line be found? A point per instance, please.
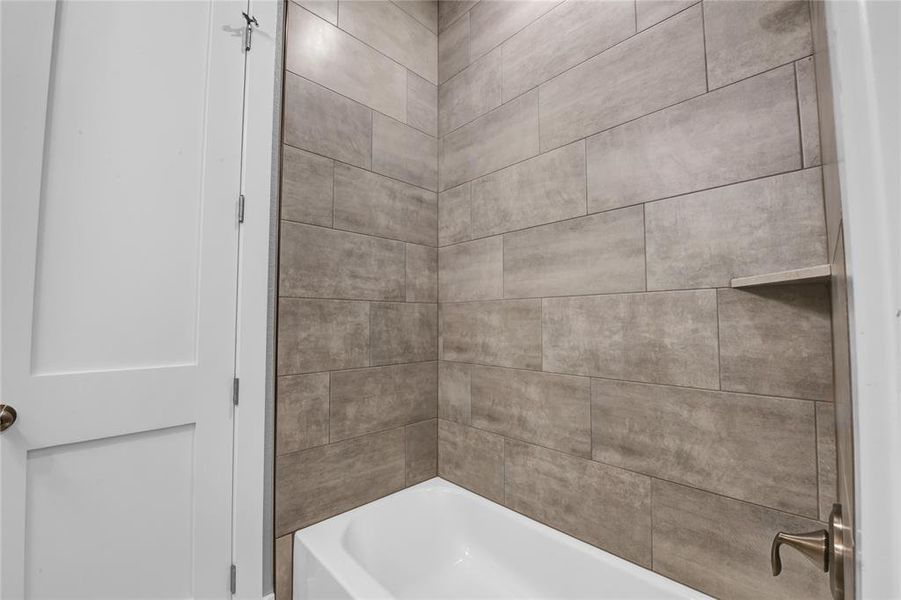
(798, 112)
(704, 40)
(352, 232)
(644, 228)
(816, 452)
(719, 359)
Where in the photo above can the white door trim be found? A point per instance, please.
(252, 533)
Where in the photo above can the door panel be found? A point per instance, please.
(121, 162)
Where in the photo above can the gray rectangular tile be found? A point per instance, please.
(284, 567)
(597, 254)
(403, 332)
(453, 49)
(454, 392)
(379, 398)
(307, 181)
(651, 12)
(424, 11)
(422, 451)
(471, 458)
(752, 448)
(470, 94)
(740, 132)
(662, 337)
(493, 22)
(826, 459)
(471, 270)
(694, 530)
(327, 9)
(506, 135)
(602, 505)
(567, 35)
(320, 52)
(369, 203)
(542, 408)
(391, 31)
(422, 104)
(745, 38)
(544, 189)
(763, 226)
(321, 335)
(321, 121)
(321, 482)
(315, 262)
(302, 408)
(504, 333)
(422, 273)
(777, 341)
(808, 111)
(404, 153)
(451, 10)
(654, 69)
(454, 215)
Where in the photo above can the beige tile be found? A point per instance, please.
(391, 31)
(504, 333)
(327, 9)
(451, 10)
(762, 226)
(424, 11)
(284, 568)
(315, 262)
(422, 451)
(808, 111)
(567, 35)
(542, 408)
(422, 273)
(493, 22)
(602, 505)
(650, 12)
(470, 94)
(453, 49)
(826, 461)
(369, 203)
(752, 448)
(740, 132)
(454, 398)
(307, 182)
(320, 52)
(302, 412)
(321, 482)
(404, 153)
(654, 69)
(777, 341)
(471, 270)
(500, 138)
(662, 337)
(403, 332)
(694, 530)
(544, 189)
(422, 104)
(321, 121)
(596, 254)
(746, 38)
(471, 458)
(321, 335)
(379, 398)
(454, 214)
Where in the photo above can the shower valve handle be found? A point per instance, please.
(814, 545)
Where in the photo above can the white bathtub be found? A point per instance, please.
(437, 540)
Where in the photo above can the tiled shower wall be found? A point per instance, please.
(357, 316)
(605, 170)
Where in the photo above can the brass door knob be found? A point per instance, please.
(7, 416)
(814, 545)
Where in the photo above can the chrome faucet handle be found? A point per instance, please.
(814, 545)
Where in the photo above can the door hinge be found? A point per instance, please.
(240, 208)
(236, 390)
(233, 579)
(248, 31)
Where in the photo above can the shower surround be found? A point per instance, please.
(604, 170)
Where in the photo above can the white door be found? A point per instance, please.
(121, 125)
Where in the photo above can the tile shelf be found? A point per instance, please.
(813, 274)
